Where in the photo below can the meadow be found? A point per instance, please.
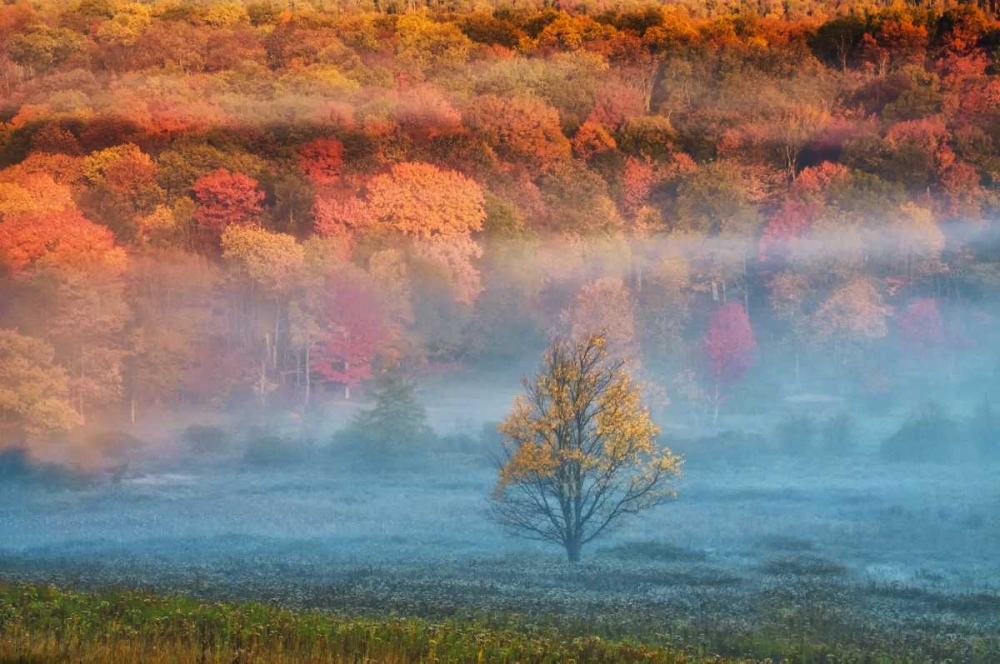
(324, 558)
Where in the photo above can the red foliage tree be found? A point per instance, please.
(425, 114)
(519, 129)
(792, 220)
(919, 151)
(963, 191)
(225, 198)
(322, 160)
(729, 346)
(616, 102)
(638, 179)
(894, 40)
(816, 181)
(592, 139)
(131, 174)
(340, 217)
(805, 203)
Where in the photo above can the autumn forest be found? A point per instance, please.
(231, 204)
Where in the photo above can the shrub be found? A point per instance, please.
(654, 551)
(731, 445)
(458, 442)
(266, 449)
(114, 442)
(983, 432)
(838, 434)
(804, 565)
(787, 543)
(928, 435)
(206, 439)
(16, 466)
(794, 434)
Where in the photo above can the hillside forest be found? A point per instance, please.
(252, 205)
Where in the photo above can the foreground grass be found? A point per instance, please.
(48, 624)
(44, 624)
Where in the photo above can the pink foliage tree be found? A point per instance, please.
(922, 327)
(354, 329)
(729, 347)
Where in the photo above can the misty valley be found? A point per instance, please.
(518, 331)
(841, 544)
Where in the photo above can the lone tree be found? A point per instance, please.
(580, 450)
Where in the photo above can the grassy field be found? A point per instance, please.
(44, 623)
(848, 560)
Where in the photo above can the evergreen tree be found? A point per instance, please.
(397, 417)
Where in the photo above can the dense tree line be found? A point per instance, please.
(208, 203)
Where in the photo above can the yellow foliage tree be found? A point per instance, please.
(917, 241)
(851, 317)
(226, 15)
(126, 26)
(271, 261)
(38, 193)
(604, 304)
(271, 265)
(424, 43)
(580, 450)
(33, 390)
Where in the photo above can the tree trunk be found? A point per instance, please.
(746, 288)
(277, 325)
(573, 551)
(715, 404)
(308, 375)
(263, 368)
(82, 377)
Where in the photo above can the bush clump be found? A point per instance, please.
(17, 466)
(114, 442)
(928, 435)
(804, 565)
(794, 435)
(838, 434)
(654, 551)
(268, 449)
(731, 445)
(206, 439)
(983, 431)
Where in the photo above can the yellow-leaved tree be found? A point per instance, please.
(580, 450)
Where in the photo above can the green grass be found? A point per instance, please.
(804, 565)
(45, 624)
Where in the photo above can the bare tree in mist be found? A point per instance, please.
(580, 450)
